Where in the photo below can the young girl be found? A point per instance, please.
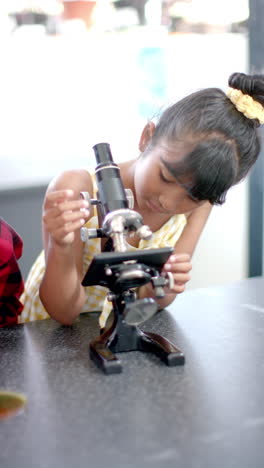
(200, 147)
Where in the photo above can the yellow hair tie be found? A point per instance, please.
(246, 104)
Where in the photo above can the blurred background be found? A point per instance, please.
(75, 73)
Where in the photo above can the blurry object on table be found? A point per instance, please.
(80, 9)
(38, 12)
(138, 5)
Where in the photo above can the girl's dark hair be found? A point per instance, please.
(225, 144)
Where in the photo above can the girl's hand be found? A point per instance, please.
(180, 266)
(63, 215)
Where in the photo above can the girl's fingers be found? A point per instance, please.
(64, 206)
(63, 200)
(72, 205)
(178, 267)
(59, 209)
(178, 288)
(67, 228)
(59, 196)
(178, 258)
(65, 217)
(64, 234)
(180, 262)
(179, 284)
(181, 278)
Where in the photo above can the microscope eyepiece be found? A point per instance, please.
(110, 188)
(103, 153)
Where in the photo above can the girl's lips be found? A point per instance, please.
(154, 206)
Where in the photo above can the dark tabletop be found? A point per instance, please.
(208, 413)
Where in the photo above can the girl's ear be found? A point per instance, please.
(146, 136)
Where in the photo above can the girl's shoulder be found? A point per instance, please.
(75, 179)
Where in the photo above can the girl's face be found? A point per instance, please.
(156, 190)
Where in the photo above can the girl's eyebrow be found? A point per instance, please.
(171, 170)
(175, 174)
(175, 170)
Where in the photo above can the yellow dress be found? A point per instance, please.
(166, 236)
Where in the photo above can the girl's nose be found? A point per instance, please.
(171, 200)
(168, 203)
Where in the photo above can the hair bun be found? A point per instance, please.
(243, 82)
(252, 85)
(247, 94)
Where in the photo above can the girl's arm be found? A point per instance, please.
(64, 213)
(196, 221)
(179, 263)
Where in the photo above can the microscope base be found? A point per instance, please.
(121, 337)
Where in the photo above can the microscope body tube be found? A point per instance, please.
(114, 202)
(111, 191)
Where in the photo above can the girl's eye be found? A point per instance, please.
(192, 198)
(166, 180)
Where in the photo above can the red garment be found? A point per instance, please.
(11, 281)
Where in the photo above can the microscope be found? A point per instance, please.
(123, 272)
